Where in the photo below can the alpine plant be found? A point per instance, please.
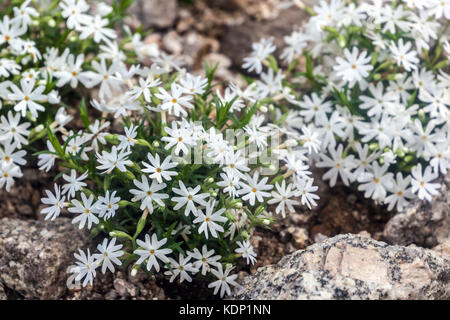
(49, 51)
(176, 173)
(366, 86)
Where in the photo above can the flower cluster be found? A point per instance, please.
(367, 81)
(176, 172)
(46, 53)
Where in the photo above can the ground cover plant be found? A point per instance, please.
(175, 174)
(369, 80)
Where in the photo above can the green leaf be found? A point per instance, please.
(140, 226)
(54, 141)
(84, 114)
(120, 234)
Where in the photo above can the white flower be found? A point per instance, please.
(74, 184)
(315, 108)
(254, 190)
(209, 219)
(364, 160)
(86, 209)
(305, 190)
(261, 50)
(338, 166)
(158, 170)
(230, 183)
(24, 13)
(147, 194)
(188, 197)
(174, 101)
(379, 101)
(72, 71)
(85, 267)
(97, 133)
(113, 159)
(224, 280)
(310, 139)
(421, 182)
(11, 129)
(283, 197)
(109, 254)
(27, 97)
(108, 205)
(144, 88)
(62, 118)
(181, 138)
(356, 67)
(440, 8)
(8, 153)
(103, 76)
(181, 268)
(47, 160)
(9, 171)
(204, 259)
(10, 32)
(55, 203)
(235, 164)
(376, 182)
(400, 193)
(256, 136)
(193, 85)
(152, 250)
(8, 67)
(247, 251)
(127, 141)
(97, 28)
(403, 55)
(73, 11)
(75, 144)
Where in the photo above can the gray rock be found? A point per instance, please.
(352, 267)
(125, 288)
(34, 256)
(2, 293)
(426, 224)
(155, 13)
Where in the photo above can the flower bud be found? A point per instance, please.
(209, 180)
(263, 109)
(39, 128)
(51, 23)
(291, 143)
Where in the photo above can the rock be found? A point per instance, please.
(298, 236)
(2, 293)
(352, 267)
(172, 42)
(423, 223)
(155, 13)
(237, 40)
(196, 47)
(443, 249)
(125, 288)
(34, 255)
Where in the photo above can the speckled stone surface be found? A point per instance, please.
(352, 267)
(34, 255)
